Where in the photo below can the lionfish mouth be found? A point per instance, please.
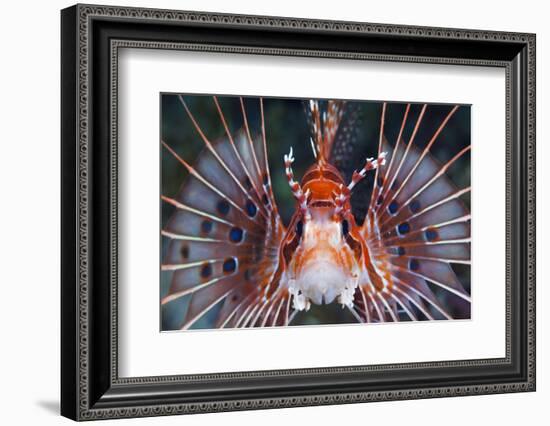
(322, 283)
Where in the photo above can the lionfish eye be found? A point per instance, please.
(345, 227)
(299, 228)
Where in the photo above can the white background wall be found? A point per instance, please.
(29, 212)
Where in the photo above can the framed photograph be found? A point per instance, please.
(263, 212)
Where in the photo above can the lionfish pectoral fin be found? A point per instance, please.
(225, 224)
(416, 228)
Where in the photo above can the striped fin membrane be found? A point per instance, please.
(416, 228)
(224, 236)
(324, 118)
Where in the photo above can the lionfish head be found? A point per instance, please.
(323, 248)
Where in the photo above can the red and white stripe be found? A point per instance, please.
(295, 187)
(345, 192)
(370, 164)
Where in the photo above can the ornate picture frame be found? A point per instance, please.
(91, 39)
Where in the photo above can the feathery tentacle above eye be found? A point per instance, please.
(296, 188)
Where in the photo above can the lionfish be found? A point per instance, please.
(228, 245)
